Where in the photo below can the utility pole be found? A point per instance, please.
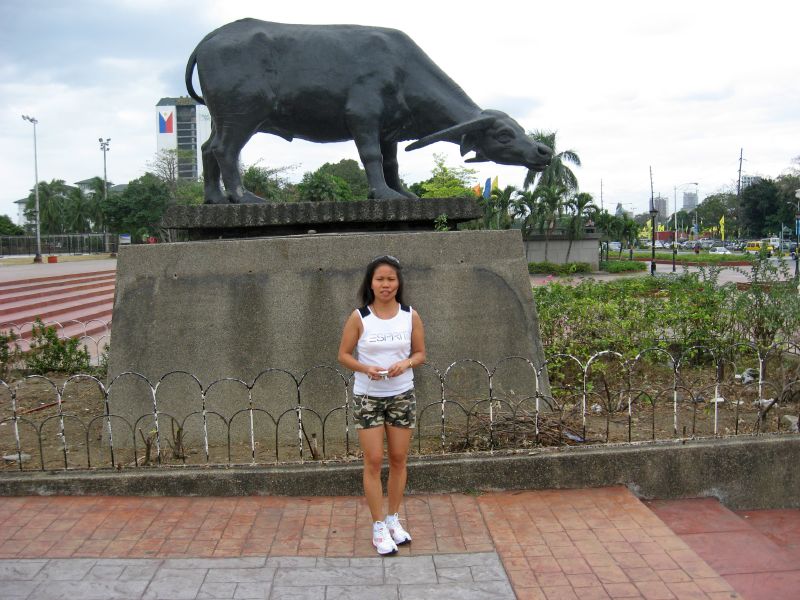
(105, 147)
(739, 185)
(38, 257)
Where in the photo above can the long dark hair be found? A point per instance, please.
(365, 291)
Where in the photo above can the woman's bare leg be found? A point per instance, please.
(398, 440)
(371, 441)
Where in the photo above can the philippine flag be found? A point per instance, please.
(165, 122)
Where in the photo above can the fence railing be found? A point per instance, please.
(93, 334)
(76, 423)
(74, 243)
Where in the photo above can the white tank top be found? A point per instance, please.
(384, 342)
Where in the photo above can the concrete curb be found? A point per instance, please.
(743, 473)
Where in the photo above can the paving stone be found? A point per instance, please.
(241, 575)
(291, 561)
(410, 569)
(333, 562)
(89, 590)
(137, 562)
(489, 590)
(489, 573)
(466, 560)
(252, 590)
(105, 572)
(366, 562)
(298, 593)
(17, 590)
(140, 572)
(213, 590)
(362, 592)
(20, 569)
(175, 584)
(66, 569)
(328, 576)
(244, 562)
(454, 574)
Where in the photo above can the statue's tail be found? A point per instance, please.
(189, 71)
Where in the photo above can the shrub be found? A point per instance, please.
(548, 268)
(51, 354)
(9, 353)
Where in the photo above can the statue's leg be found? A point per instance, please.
(211, 175)
(391, 170)
(363, 122)
(226, 147)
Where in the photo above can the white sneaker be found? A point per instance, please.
(382, 539)
(399, 535)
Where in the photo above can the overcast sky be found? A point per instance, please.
(679, 86)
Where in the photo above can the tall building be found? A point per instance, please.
(748, 180)
(689, 201)
(660, 204)
(182, 124)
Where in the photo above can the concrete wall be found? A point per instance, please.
(585, 250)
(233, 308)
(743, 473)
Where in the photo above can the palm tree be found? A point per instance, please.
(581, 206)
(629, 233)
(550, 209)
(526, 207)
(558, 171)
(52, 200)
(77, 212)
(501, 201)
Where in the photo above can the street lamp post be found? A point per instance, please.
(105, 147)
(653, 213)
(38, 257)
(675, 221)
(797, 236)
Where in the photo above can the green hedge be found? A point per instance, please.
(622, 266)
(548, 268)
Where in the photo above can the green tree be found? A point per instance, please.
(558, 171)
(551, 207)
(270, 183)
(165, 166)
(351, 172)
(526, 209)
(581, 208)
(7, 226)
(139, 208)
(449, 182)
(318, 186)
(629, 233)
(499, 205)
(52, 204)
(77, 212)
(761, 208)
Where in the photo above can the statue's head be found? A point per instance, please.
(495, 137)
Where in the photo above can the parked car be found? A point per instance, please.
(614, 246)
(754, 247)
(719, 250)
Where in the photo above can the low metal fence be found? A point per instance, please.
(73, 423)
(74, 243)
(94, 335)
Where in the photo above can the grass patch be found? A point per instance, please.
(622, 266)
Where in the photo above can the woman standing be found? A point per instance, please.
(388, 340)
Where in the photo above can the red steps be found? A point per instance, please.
(79, 305)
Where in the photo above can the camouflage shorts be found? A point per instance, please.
(398, 411)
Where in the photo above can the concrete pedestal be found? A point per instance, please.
(235, 308)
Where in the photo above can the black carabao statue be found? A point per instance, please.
(331, 83)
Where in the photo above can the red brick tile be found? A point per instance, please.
(621, 590)
(574, 566)
(561, 592)
(654, 590)
(544, 564)
(584, 580)
(554, 579)
(521, 578)
(529, 593)
(687, 590)
(610, 574)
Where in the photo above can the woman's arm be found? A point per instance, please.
(417, 348)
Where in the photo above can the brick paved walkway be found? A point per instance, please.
(599, 543)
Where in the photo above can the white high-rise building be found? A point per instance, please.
(689, 201)
(183, 124)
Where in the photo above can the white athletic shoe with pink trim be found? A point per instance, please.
(382, 539)
(399, 535)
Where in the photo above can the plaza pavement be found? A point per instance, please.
(549, 544)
